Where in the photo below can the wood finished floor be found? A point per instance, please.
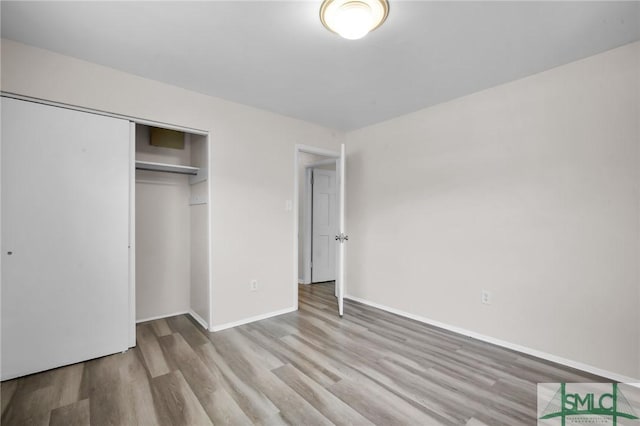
(304, 368)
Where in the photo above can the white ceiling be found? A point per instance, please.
(277, 55)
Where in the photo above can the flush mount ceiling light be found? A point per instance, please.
(353, 19)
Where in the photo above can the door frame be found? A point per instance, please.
(333, 156)
(206, 323)
(307, 217)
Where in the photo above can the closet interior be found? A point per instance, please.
(171, 224)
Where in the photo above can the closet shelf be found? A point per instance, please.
(170, 168)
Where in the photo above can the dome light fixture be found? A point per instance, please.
(353, 19)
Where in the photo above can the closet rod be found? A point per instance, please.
(168, 168)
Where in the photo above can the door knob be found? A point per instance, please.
(342, 238)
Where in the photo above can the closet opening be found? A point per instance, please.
(170, 222)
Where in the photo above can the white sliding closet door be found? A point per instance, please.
(65, 236)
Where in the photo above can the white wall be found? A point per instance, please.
(529, 190)
(163, 270)
(251, 159)
(199, 289)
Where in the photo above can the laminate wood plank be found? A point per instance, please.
(407, 362)
(251, 400)
(277, 327)
(85, 381)
(423, 354)
(213, 397)
(150, 349)
(426, 396)
(245, 363)
(488, 417)
(307, 367)
(474, 422)
(465, 393)
(268, 331)
(37, 381)
(367, 401)
(234, 339)
(368, 372)
(133, 368)
(293, 408)
(226, 411)
(342, 341)
(110, 393)
(7, 390)
(487, 358)
(329, 328)
(113, 387)
(192, 333)
(332, 318)
(309, 303)
(444, 399)
(493, 367)
(298, 359)
(341, 363)
(200, 379)
(521, 390)
(174, 393)
(32, 408)
(329, 358)
(75, 414)
(68, 384)
(39, 393)
(320, 398)
(355, 342)
(435, 336)
(353, 357)
(160, 327)
(147, 409)
(496, 412)
(432, 334)
(532, 368)
(389, 335)
(471, 377)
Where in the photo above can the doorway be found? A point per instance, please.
(319, 222)
(170, 202)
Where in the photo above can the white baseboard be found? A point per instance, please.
(198, 319)
(518, 348)
(252, 319)
(195, 316)
(157, 317)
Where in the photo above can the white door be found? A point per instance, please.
(65, 236)
(341, 237)
(324, 226)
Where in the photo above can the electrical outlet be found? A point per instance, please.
(253, 285)
(486, 297)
